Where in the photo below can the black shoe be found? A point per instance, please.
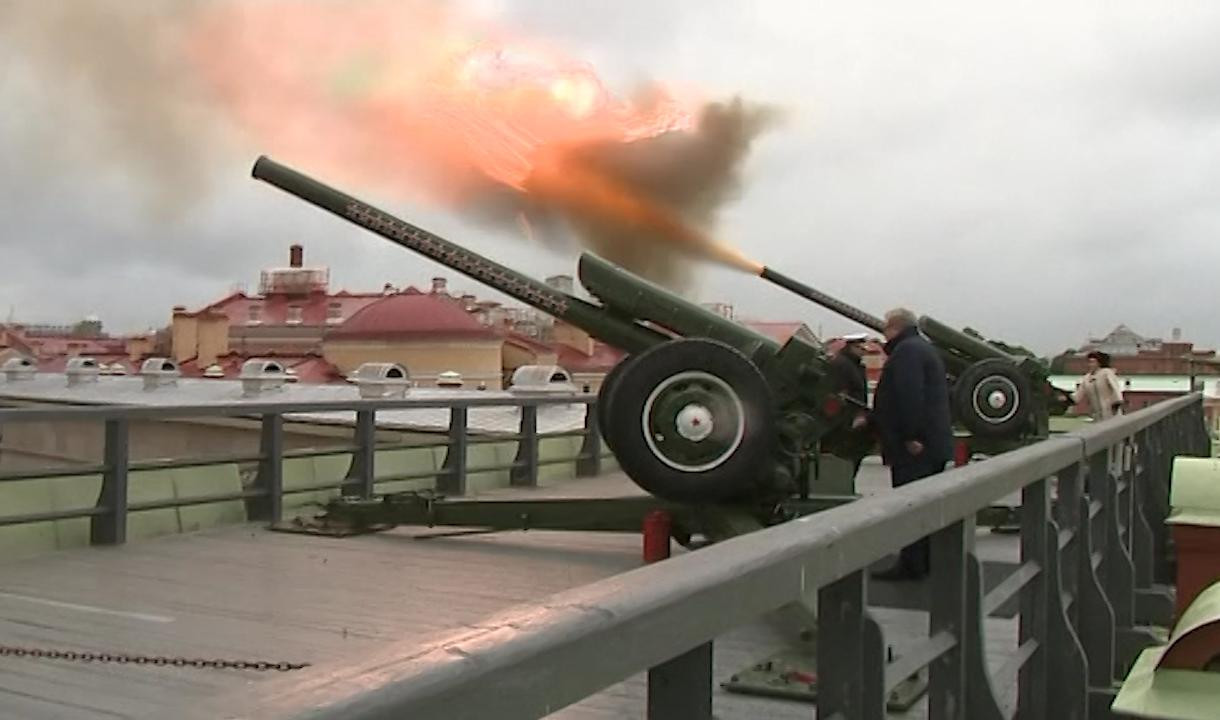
(898, 572)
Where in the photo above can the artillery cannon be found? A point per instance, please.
(719, 423)
(705, 410)
(1000, 398)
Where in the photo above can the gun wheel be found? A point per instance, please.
(606, 395)
(691, 421)
(993, 398)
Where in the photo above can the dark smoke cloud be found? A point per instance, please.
(114, 93)
(691, 174)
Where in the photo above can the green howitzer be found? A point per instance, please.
(704, 409)
(1000, 398)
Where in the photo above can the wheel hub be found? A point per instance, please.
(995, 399)
(694, 422)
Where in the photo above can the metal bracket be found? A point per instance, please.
(793, 675)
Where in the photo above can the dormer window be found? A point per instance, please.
(294, 315)
(334, 313)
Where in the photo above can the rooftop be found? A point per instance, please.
(130, 390)
(411, 314)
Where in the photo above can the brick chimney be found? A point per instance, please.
(296, 256)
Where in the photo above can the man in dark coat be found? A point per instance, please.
(849, 378)
(912, 418)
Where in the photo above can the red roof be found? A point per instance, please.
(57, 363)
(411, 314)
(604, 358)
(308, 367)
(273, 309)
(14, 339)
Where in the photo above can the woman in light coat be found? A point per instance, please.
(1100, 390)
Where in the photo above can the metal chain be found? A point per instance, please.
(126, 659)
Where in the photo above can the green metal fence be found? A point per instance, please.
(119, 498)
(1093, 548)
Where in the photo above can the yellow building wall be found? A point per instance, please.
(573, 337)
(515, 356)
(139, 347)
(479, 361)
(184, 337)
(212, 339)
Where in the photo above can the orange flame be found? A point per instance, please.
(409, 96)
(559, 179)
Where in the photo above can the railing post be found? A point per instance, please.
(270, 479)
(1067, 668)
(452, 480)
(947, 674)
(841, 648)
(525, 469)
(111, 528)
(363, 472)
(1094, 615)
(1070, 490)
(1157, 507)
(1153, 605)
(1035, 548)
(589, 463)
(681, 688)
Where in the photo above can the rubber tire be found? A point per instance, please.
(963, 394)
(605, 396)
(734, 478)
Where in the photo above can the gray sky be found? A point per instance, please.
(1040, 171)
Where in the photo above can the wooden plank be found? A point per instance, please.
(244, 593)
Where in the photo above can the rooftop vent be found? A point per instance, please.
(449, 379)
(19, 368)
(542, 379)
(214, 371)
(81, 370)
(259, 376)
(158, 372)
(381, 380)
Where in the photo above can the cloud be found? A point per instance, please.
(1038, 171)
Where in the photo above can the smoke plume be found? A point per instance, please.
(109, 91)
(691, 174)
(376, 95)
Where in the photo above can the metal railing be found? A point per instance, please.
(265, 496)
(1092, 544)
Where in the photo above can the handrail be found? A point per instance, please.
(264, 496)
(236, 409)
(530, 661)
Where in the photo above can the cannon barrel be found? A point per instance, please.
(619, 332)
(635, 297)
(830, 303)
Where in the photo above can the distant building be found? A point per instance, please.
(1132, 354)
(427, 333)
(287, 319)
(51, 346)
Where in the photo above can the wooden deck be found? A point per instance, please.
(246, 593)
